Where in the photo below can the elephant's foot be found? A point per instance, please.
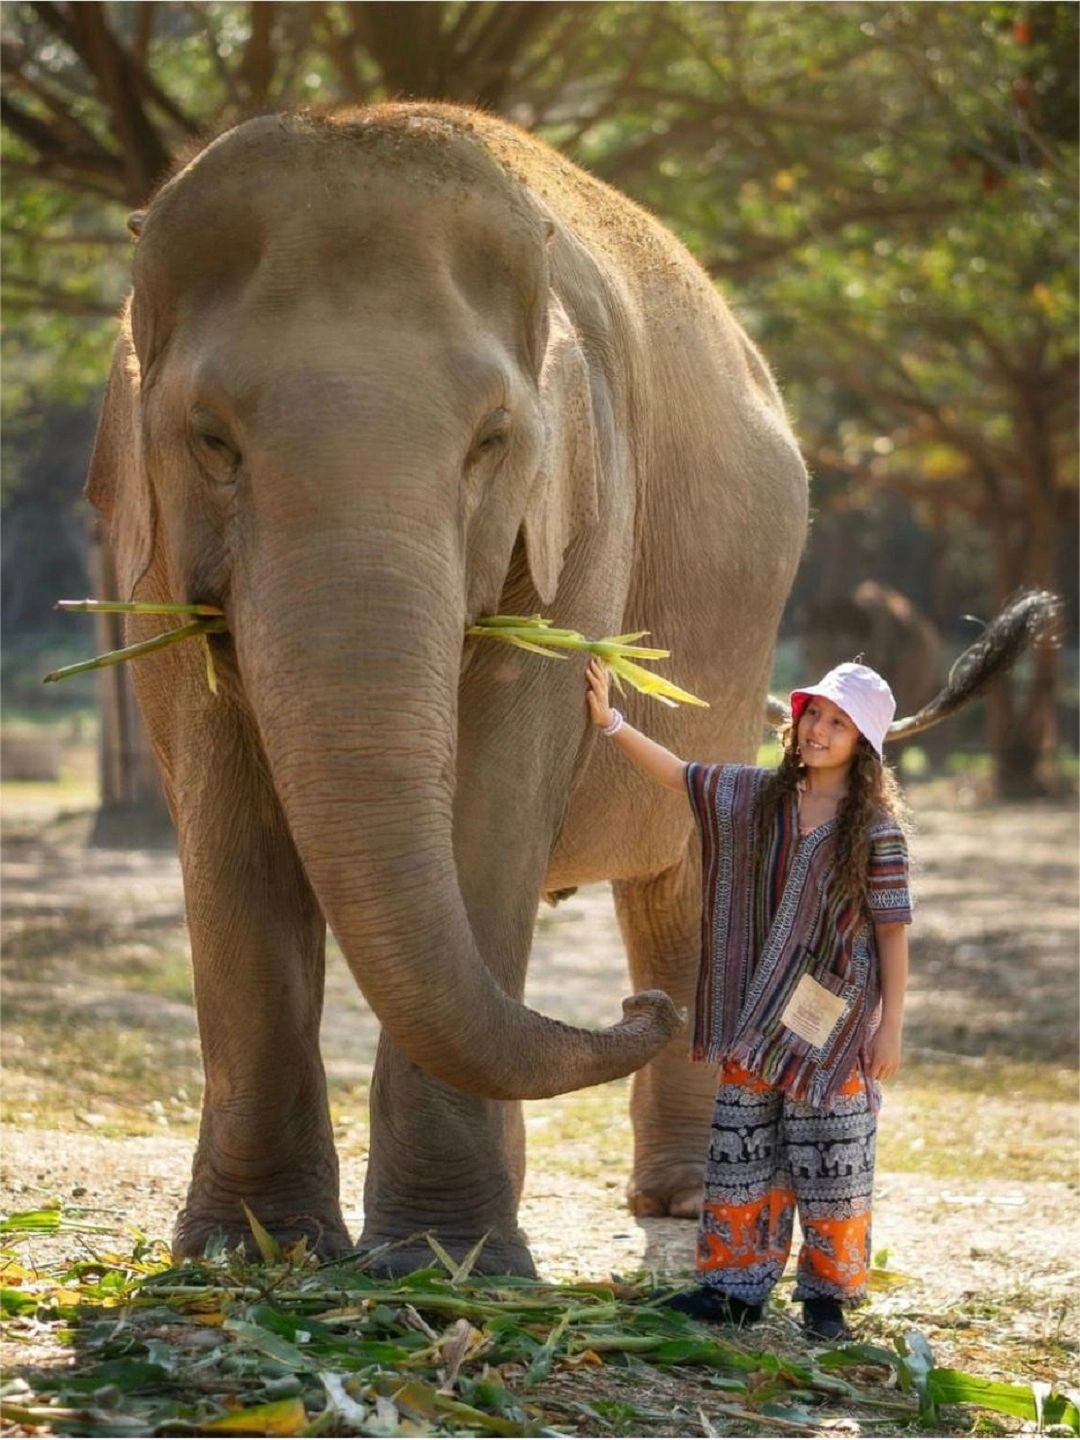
(321, 1226)
(677, 1192)
(403, 1256)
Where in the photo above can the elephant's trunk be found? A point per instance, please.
(357, 710)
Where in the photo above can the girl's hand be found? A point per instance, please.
(599, 680)
(883, 1053)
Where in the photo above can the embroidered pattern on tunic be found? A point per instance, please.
(761, 932)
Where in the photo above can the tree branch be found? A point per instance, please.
(258, 61)
(55, 155)
(625, 83)
(24, 294)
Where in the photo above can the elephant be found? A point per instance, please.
(379, 374)
(877, 621)
(845, 1157)
(759, 1143)
(713, 1224)
(806, 1159)
(726, 1145)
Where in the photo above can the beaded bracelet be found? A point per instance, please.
(616, 723)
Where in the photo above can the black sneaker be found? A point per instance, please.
(715, 1307)
(823, 1319)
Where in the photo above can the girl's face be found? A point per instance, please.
(826, 736)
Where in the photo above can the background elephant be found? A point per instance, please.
(890, 632)
(380, 375)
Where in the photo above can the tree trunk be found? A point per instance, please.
(132, 813)
(1021, 710)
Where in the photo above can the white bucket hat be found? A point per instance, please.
(861, 693)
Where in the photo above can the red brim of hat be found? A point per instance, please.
(799, 699)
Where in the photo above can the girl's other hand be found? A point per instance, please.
(598, 680)
(883, 1053)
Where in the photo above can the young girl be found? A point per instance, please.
(800, 993)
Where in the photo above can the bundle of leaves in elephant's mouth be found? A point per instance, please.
(527, 632)
(285, 1345)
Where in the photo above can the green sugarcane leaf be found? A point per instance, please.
(31, 1222)
(564, 639)
(496, 620)
(269, 1248)
(506, 636)
(18, 1302)
(955, 1387)
(211, 673)
(464, 1270)
(655, 685)
(617, 650)
(278, 1417)
(531, 645)
(136, 607)
(274, 1347)
(847, 1355)
(133, 652)
(916, 1363)
(542, 1361)
(442, 1255)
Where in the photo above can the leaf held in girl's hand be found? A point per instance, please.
(616, 651)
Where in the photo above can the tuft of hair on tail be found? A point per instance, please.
(1031, 617)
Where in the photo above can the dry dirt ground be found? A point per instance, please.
(976, 1197)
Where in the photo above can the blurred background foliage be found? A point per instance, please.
(885, 192)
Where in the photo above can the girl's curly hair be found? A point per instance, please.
(872, 788)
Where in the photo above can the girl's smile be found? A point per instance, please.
(827, 736)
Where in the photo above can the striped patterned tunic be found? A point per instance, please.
(761, 932)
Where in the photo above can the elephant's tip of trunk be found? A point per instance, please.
(653, 1011)
(577, 1059)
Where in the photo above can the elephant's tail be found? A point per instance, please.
(1030, 617)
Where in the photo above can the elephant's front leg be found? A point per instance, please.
(440, 1160)
(257, 940)
(443, 1162)
(671, 1098)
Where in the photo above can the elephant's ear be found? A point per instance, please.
(116, 483)
(563, 500)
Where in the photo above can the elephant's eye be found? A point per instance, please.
(493, 435)
(212, 443)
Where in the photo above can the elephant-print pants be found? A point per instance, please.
(769, 1154)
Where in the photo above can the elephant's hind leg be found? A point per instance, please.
(671, 1098)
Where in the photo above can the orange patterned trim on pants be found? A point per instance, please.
(743, 1238)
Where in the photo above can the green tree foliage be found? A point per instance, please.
(886, 193)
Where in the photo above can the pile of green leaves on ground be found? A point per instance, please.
(287, 1345)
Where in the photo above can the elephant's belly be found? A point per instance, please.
(618, 827)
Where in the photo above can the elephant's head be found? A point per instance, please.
(344, 388)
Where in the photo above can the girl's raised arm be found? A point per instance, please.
(656, 762)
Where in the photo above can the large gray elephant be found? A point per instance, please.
(379, 375)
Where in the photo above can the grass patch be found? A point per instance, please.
(67, 1071)
(584, 1134)
(1005, 1121)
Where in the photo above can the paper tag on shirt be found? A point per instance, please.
(812, 1011)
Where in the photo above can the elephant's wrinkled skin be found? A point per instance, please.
(379, 376)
